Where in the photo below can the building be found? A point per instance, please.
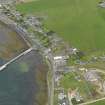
(102, 4)
(61, 58)
(91, 76)
(63, 99)
(7, 1)
(74, 95)
(61, 96)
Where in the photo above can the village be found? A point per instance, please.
(68, 85)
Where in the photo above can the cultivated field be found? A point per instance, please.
(81, 22)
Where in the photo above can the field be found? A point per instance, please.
(80, 22)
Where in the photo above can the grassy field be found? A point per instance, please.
(80, 22)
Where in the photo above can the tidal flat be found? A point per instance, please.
(11, 43)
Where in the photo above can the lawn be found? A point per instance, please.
(80, 22)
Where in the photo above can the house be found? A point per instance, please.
(61, 96)
(91, 76)
(74, 94)
(63, 99)
(102, 4)
(61, 58)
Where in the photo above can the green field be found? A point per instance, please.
(81, 22)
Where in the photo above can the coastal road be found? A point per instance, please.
(53, 68)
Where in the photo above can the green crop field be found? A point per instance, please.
(80, 22)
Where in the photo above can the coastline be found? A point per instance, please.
(12, 26)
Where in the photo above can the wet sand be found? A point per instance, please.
(11, 44)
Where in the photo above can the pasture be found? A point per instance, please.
(80, 22)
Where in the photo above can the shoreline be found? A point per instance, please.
(11, 26)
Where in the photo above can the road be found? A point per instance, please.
(53, 68)
(98, 70)
(90, 102)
